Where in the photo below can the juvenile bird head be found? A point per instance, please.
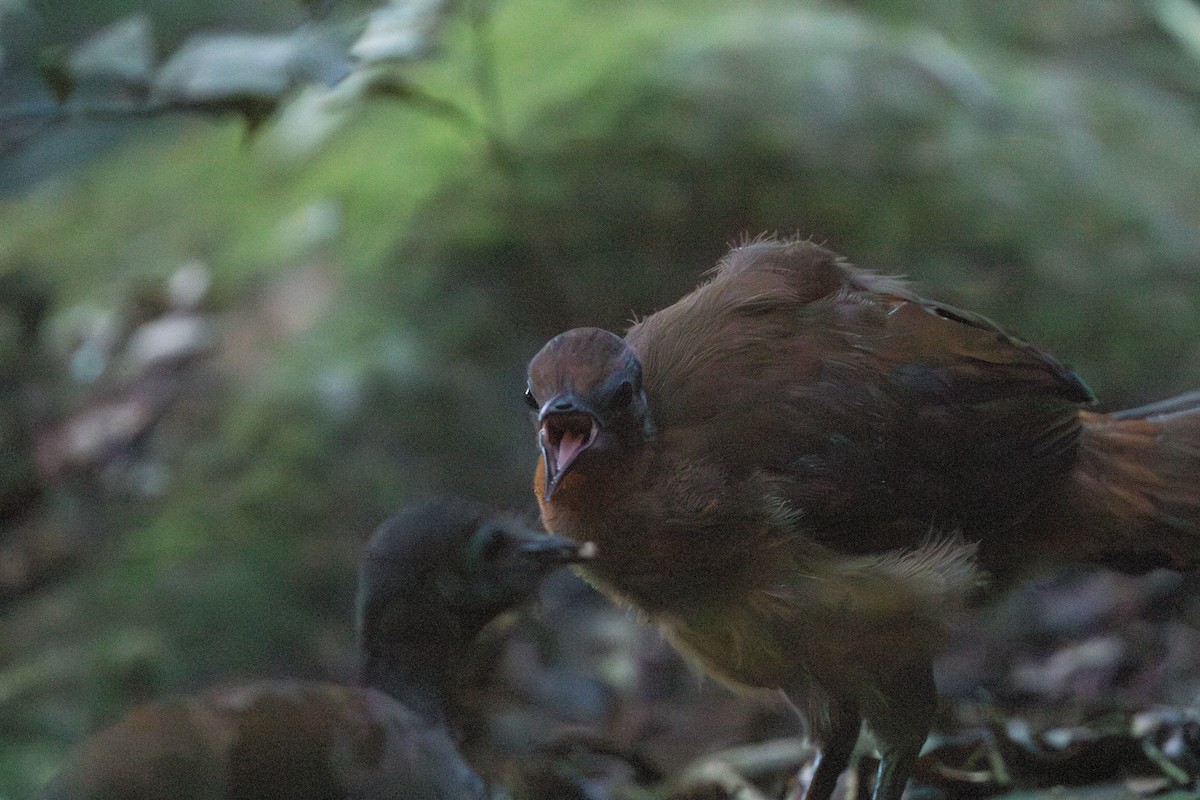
(586, 387)
(455, 556)
(430, 579)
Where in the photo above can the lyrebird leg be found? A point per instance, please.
(836, 749)
(901, 724)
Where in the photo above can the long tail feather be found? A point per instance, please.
(1134, 498)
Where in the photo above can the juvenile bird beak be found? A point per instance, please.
(567, 429)
(554, 550)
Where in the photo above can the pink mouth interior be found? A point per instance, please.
(568, 435)
(572, 443)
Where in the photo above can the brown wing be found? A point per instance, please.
(883, 413)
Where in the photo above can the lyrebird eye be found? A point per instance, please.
(530, 400)
(488, 545)
(623, 396)
(495, 544)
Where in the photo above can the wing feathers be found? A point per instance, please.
(792, 361)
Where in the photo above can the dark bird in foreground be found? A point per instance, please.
(431, 578)
(798, 468)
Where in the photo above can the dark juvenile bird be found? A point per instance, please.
(430, 579)
(798, 467)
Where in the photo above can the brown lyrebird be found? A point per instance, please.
(796, 467)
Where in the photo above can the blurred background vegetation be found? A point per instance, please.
(226, 354)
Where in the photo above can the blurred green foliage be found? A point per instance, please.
(1033, 161)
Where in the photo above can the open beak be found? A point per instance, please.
(566, 431)
(551, 550)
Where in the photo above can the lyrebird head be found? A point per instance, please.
(586, 387)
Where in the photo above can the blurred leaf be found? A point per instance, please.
(1181, 19)
(310, 118)
(404, 30)
(121, 54)
(235, 69)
